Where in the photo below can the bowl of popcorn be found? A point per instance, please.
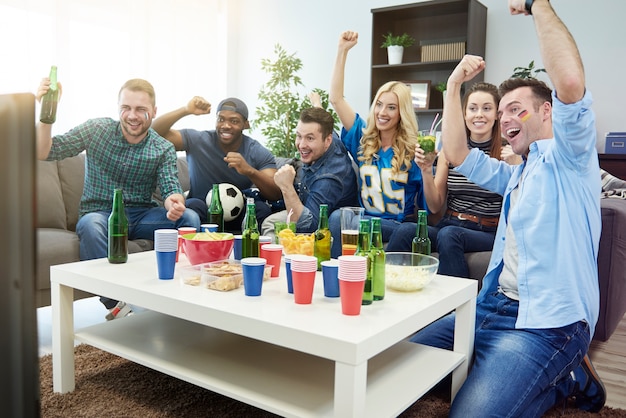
(296, 243)
(408, 272)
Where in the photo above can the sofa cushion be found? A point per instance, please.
(54, 246)
(50, 204)
(612, 267)
(72, 177)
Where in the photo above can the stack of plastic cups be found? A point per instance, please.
(165, 247)
(303, 270)
(352, 274)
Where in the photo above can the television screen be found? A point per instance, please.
(19, 361)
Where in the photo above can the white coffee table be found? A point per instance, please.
(267, 351)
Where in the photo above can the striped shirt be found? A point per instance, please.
(111, 162)
(467, 197)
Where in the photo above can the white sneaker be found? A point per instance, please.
(119, 311)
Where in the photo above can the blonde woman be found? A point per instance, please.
(390, 183)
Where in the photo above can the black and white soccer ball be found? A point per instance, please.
(232, 200)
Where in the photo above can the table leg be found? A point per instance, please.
(62, 306)
(350, 389)
(463, 341)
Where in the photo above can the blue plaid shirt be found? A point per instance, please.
(114, 163)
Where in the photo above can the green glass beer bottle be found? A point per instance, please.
(49, 101)
(421, 242)
(118, 231)
(216, 212)
(363, 249)
(250, 235)
(378, 260)
(322, 238)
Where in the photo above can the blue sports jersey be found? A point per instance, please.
(381, 194)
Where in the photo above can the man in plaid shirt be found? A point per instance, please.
(124, 154)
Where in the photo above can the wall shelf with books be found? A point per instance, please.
(443, 29)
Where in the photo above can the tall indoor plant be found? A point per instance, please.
(281, 102)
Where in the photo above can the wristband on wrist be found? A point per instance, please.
(528, 6)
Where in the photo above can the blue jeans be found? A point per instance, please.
(451, 238)
(387, 226)
(92, 230)
(516, 372)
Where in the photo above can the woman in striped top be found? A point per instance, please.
(471, 214)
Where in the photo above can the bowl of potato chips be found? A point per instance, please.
(206, 247)
(296, 243)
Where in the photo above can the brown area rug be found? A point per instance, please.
(110, 386)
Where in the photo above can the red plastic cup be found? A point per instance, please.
(303, 282)
(351, 295)
(182, 231)
(272, 253)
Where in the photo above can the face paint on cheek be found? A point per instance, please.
(146, 115)
(524, 115)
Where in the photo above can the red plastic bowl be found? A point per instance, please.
(200, 251)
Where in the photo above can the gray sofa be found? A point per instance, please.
(60, 185)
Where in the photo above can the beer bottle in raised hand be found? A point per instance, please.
(118, 231)
(49, 101)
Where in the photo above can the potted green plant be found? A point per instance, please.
(527, 72)
(441, 87)
(395, 45)
(280, 103)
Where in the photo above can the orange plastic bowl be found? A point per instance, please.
(199, 251)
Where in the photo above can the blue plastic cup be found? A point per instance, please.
(253, 270)
(208, 227)
(330, 274)
(288, 274)
(237, 247)
(166, 263)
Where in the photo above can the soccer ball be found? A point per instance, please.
(232, 201)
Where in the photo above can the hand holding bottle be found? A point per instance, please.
(49, 94)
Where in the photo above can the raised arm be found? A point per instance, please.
(345, 112)
(163, 124)
(559, 52)
(453, 123)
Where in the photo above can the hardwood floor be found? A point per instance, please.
(609, 359)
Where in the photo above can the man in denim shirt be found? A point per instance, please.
(327, 174)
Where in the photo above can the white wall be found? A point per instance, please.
(99, 44)
(214, 48)
(311, 29)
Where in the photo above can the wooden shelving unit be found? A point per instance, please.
(437, 20)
